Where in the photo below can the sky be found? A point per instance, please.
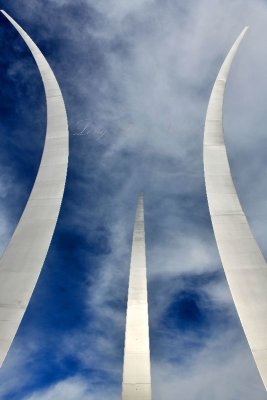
(136, 79)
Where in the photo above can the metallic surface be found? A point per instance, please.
(25, 254)
(244, 265)
(136, 369)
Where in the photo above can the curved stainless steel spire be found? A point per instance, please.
(24, 256)
(136, 369)
(244, 265)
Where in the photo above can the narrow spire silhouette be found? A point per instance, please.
(25, 254)
(244, 265)
(136, 369)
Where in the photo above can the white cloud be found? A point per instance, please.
(118, 10)
(161, 61)
(72, 389)
(217, 373)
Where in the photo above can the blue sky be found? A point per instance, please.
(136, 78)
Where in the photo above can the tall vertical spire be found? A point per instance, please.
(136, 369)
(243, 262)
(24, 256)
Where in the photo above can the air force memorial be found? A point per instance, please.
(244, 265)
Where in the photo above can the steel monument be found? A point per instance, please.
(25, 254)
(136, 368)
(244, 265)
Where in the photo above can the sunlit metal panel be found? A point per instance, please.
(25, 254)
(136, 369)
(243, 262)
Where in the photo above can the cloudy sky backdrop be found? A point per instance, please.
(136, 78)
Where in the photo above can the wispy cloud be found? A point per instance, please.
(73, 389)
(142, 72)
